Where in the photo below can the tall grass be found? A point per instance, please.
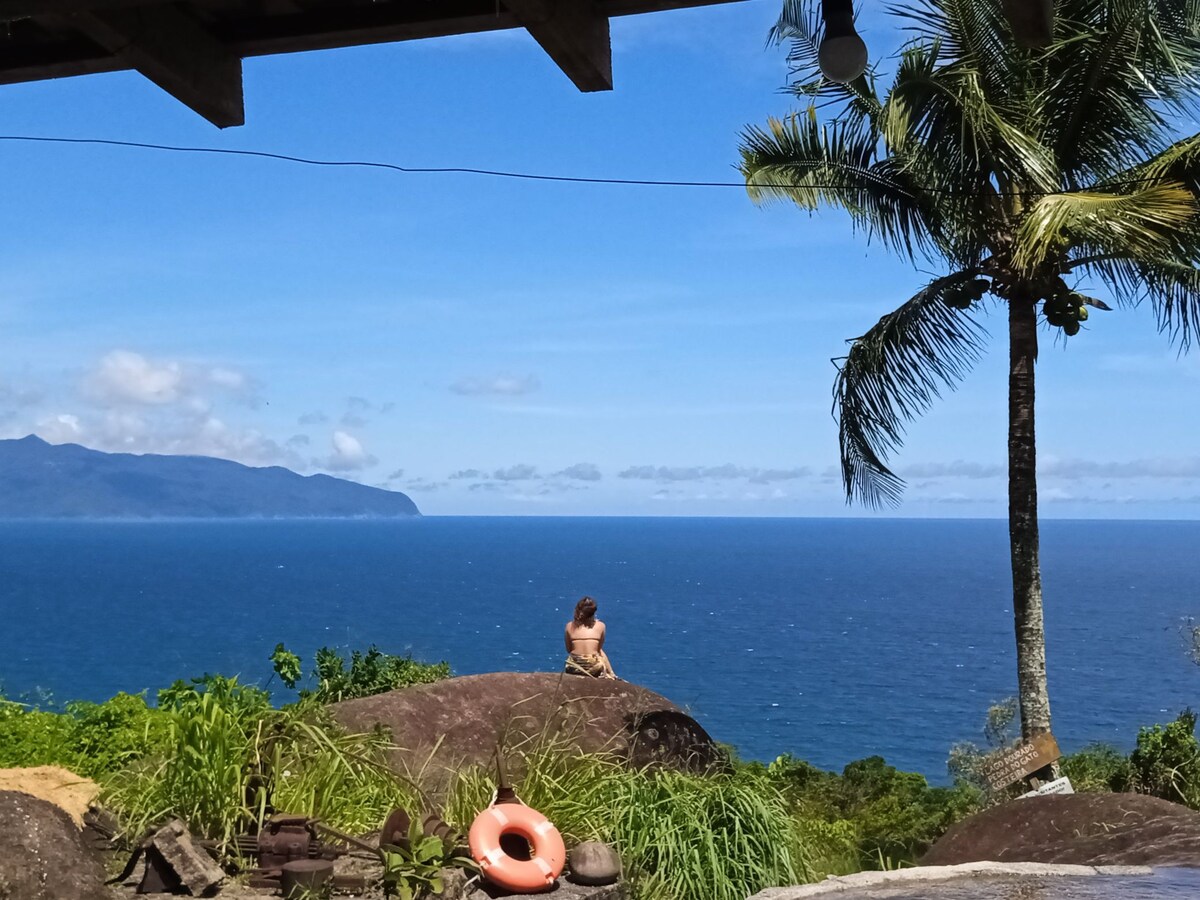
(680, 836)
(228, 752)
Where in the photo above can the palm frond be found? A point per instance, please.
(1171, 287)
(892, 374)
(809, 164)
(1144, 223)
(943, 108)
(1178, 163)
(973, 33)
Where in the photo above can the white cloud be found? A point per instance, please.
(496, 385)
(1158, 467)
(726, 472)
(519, 472)
(348, 454)
(124, 377)
(957, 469)
(580, 472)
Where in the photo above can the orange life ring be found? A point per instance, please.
(548, 853)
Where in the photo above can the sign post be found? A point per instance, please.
(1013, 765)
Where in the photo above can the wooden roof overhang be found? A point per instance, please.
(193, 49)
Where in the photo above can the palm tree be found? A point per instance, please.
(1023, 175)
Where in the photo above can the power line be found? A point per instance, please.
(365, 164)
(523, 176)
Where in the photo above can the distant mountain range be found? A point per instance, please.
(66, 481)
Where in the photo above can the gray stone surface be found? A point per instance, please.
(593, 862)
(43, 855)
(867, 884)
(563, 890)
(442, 727)
(1078, 829)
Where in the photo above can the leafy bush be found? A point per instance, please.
(369, 673)
(895, 815)
(91, 739)
(416, 869)
(1166, 762)
(1098, 768)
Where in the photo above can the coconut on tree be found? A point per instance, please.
(1029, 176)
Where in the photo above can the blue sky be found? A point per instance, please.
(505, 347)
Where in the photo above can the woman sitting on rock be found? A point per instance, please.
(585, 643)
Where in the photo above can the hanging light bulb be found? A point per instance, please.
(842, 55)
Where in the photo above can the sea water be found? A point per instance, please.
(832, 639)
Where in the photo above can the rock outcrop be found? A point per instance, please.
(43, 855)
(1078, 829)
(459, 721)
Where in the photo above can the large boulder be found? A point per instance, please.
(460, 721)
(1079, 829)
(43, 855)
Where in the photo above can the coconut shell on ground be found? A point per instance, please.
(1079, 829)
(460, 721)
(42, 853)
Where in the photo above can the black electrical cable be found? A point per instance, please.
(497, 173)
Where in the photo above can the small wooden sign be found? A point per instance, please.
(1021, 761)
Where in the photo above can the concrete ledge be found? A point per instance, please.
(835, 884)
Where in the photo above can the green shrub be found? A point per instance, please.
(1098, 768)
(33, 737)
(363, 675)
(895, 815)
(90, 739)
(1166, 762)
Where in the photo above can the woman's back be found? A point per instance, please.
(585, 639)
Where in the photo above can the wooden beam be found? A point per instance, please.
(24, 9)
(575, 35)
(177, 53)
(378, 23)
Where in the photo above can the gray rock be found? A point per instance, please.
(43, 856)
(594, 862)
(1081, 829)
(562, 890)
(960, 880)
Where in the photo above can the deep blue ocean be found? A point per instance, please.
(832, 639)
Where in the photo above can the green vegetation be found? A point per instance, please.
(886, 817)
(366, 674)
(216, 753)
(416, 869)
(681, 837)
(91, 739)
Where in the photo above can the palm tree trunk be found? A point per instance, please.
(1023, 519)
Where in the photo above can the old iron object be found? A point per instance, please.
(303, 878)
(398, 823)
(284, 838)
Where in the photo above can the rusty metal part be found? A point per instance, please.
(398, 823)
(284, 838)
(305, 877)
(395, 829)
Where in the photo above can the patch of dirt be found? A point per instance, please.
(71, 793)
(1080, 829)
